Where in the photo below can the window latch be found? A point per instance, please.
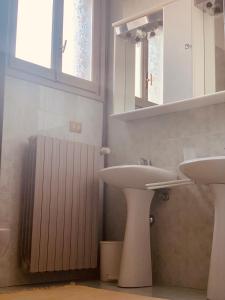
(63, 48)
(187, 46)
(149, 80)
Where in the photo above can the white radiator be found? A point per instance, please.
(61, 211)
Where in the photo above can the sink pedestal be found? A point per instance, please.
(136, 267)
(216, 285)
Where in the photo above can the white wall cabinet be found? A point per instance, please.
(189, 64)
(189, 58)
(177, 72)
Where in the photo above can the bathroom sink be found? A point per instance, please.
(134, 176)
(211, 170)
(207, 170)
(136, 269)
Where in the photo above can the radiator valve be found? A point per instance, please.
(105, 151)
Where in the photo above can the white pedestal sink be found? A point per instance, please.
(212, 171)
(136, 269)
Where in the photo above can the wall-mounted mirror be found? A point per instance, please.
(172, 54)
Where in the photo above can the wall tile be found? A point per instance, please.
(29, 110)
(182, 235)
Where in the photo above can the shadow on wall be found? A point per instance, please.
(181, 237)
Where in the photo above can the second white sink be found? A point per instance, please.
(207, 170)
(211, 170)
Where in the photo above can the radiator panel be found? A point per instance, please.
(75, 208)
(60, 228)
(53, 206)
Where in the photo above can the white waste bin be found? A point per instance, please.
(110, 256)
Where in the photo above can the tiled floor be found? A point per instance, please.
(171, 293)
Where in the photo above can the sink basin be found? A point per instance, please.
(211, 170)
(136, 268)
(134, 176)
(207, 170)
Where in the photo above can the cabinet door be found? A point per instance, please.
(177, 51)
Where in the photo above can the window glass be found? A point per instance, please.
(155, 66)
(138, 70)
(34, 31)
(77, 38)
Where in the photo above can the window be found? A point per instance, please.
(34, 38)
(139, 69)
(58, 40)
(155, 66)
(149, 66)
(77, 37)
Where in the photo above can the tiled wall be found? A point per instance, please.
(31, 109)
(182, 235)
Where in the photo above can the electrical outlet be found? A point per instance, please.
(75, 127)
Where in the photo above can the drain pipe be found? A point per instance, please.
(162, 191)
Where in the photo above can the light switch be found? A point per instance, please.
(75, 127)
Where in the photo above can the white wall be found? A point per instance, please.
(182, 234)
(31, 109)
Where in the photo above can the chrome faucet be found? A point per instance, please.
(145, 162)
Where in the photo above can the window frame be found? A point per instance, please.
(143, 100)
(54, 77)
